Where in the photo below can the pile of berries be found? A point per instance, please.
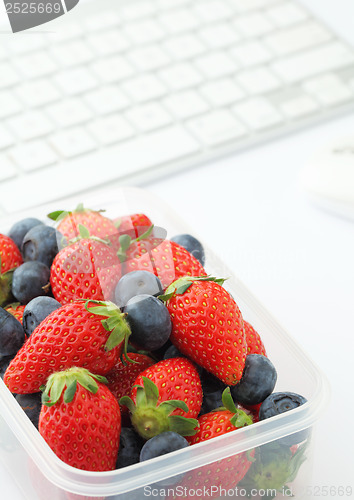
(121, 347)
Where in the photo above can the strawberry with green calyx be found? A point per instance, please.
(166, 259)
(207, 326)
(10, 259)
(88, 268)
(161, 397)
(91, 335)
(98, 225)
(220, 421)
(80, 420)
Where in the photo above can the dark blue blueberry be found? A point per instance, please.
(31, 405)
(281, 402)
(212, 392)
(149, 320)
(12, 335)
(41, 244)
(30, 280)
(163, 443)
(129, 448)
(21, 228)
(257, 382)
(173, 352)
(191, 244)
(36, 311)
(136, 283)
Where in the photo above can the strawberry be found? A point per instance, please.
(73, 335)
(207, 326)
(10, 258)
(86, 269)
(80, 420)
(97, 224)
(162, 394)
(166, 259)
(16, 309)
(123, 375)
(134, 225)
(253, 339)
(225, 473)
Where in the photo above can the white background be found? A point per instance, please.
(297, 259)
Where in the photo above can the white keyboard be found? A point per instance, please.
(140, 89)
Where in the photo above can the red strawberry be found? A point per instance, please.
(123, 375)
(86, 269)
(224, 473)
(10, 258)
(97, 224)
(162, 395)
(207, 326)
(134, 225)
(166, 259)
(254, 341)
(252, 410)
(16, 309)
(73, 335)
(80, 420)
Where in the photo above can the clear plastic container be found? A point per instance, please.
(206, 470)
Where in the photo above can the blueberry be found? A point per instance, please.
(21, 228)
(30, 280)
(163, 443)
(281, 402)
(136, 283)
(129, 448)
(173, 352)
(31, 405)
(149, 320)
(191, 244)
(12, 335)
(36, 311)
(212, 392)
(41, 244)
(257, 382)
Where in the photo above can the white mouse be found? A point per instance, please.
(328, 177)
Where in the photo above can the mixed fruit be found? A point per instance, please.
(120, 347)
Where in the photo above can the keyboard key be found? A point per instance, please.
(253, 25)
(216, 128)
(119, 161)
(184, 47)
(146, 31)
(179, 21)
(23, 45)
(102, 20)
(148, 117)
(144, 88)
(112, 69)
(35, 65)
(298, 106)
(9, 105)
(328, 90)
(72, 142)
(32, 155)
(71, 54)
(297, 38)
(111, 129)
(7, 170)
(37, 93)
(251, 53)
(218, 36)
(107, 43)
(67, 32)
(30, 125)
(75, 81)
(258, 81)
(286, 14)
(186, 104)
(69, 112)
(6, 137)
(222, 92)
(257, 113)
(249, 5)
(328, 57)
(106, 99)
(137, 10)
(216, 65)
(213, 11)
(9, 75)
(148, 58)
(181, 76)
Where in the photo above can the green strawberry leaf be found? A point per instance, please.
(151, 392)
(170, 405)
(70, 392)
(57, 215)
(183, 425)
(84, 232)
(128, 402)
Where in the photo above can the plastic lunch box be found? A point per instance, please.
(40, 475)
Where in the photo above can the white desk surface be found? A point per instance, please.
(297, 259)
